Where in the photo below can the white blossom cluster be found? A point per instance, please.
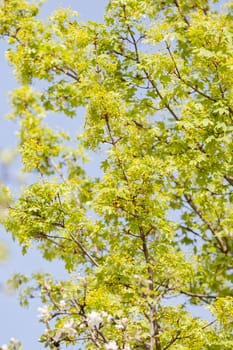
(122, 323)
(94, 319)
(112, 345)
(14, 342)
(68, 329)
(4, 347)
(62, 304)
(43, 313)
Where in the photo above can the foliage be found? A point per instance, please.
(6, 157)
(149, 235)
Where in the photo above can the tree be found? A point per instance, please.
(151, 233)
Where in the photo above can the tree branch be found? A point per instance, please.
(198, 295)
(220, 241)
(154, 326)
(167, 105)
(85, 252)
(180, 12)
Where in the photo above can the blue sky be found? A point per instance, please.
(16, 321)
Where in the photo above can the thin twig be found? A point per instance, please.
(83, 249)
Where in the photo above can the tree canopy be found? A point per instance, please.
(147, 236)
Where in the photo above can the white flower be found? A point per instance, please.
(112, 345)
(104, 314)
(4, 347)
(62, 304)
(126, 347)
(68, 328)
(46, 285)
(122, 324)
(43, 313)
(14, 341)
(124, 321)
(58, 335)
(94, 319)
